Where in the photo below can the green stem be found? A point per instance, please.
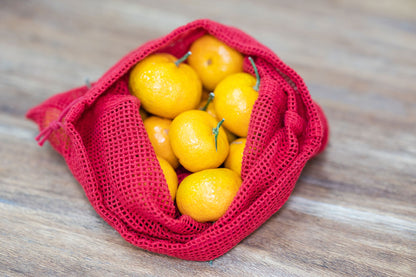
(216, 131)
(210, 98)
(257, 85)
(183, 58)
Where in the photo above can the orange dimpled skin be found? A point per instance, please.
(206, 195)
(170, 176)
(213, 60)
(164, 88)
(157, 129)
(234, 101)
(192, 138)
(235, 156)
(211, 110)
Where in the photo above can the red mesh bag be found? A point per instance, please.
(99, 132)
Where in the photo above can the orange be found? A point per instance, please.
(207, 194)
(157, 129)
(207, 104)
(193, 139)
(211, 110)
(170, 176)
(213, 60)
(165, 87)
(230, 136)
(234, 100)
(235, 156)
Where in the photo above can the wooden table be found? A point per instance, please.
(353, 212)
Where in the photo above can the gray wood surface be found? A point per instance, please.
(353, 212)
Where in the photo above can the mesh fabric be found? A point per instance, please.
(102, 138)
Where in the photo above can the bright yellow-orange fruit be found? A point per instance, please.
(214, 60)
(192, 137)
(157, 129)
(235, 156)
(170, 176)
(208, 108)
(164, 88)
(234, 100)
(211, 110)
(207, 194)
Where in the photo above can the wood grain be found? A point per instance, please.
(353, 212)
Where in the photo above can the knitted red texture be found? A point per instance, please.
(100, 134)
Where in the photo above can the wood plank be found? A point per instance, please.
(353, 211)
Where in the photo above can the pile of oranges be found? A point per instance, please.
(196, 111)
